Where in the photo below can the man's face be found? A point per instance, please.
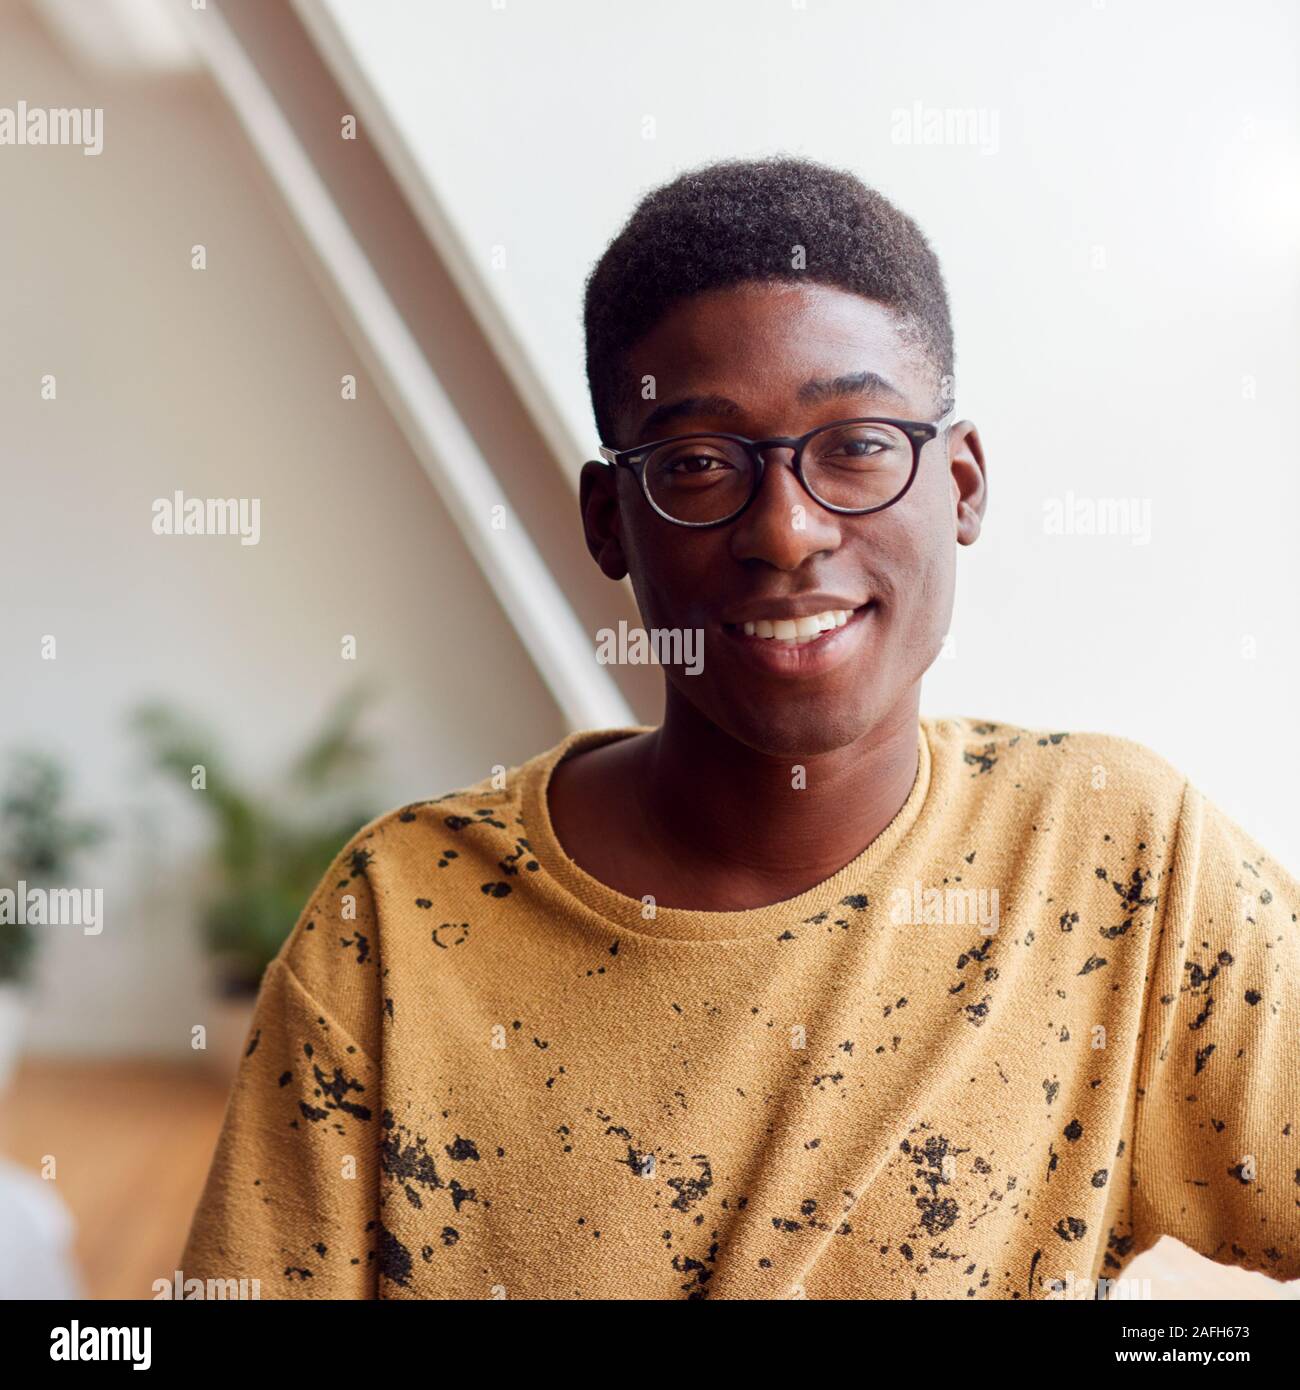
(766, 360)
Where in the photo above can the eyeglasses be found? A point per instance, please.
(853, 467)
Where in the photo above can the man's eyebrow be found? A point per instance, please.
(852, 384)
(688, 405)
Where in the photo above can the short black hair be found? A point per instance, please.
(742, 220)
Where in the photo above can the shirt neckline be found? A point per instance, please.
(689, 924)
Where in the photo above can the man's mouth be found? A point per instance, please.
(794, 631)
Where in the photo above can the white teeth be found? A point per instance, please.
(792, 632)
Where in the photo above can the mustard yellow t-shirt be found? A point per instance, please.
(1048, 1015)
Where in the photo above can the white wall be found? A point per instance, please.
(1120, 251)
(221, 383)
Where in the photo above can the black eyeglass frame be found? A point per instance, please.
(920, 432)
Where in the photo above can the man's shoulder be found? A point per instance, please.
(997, 755)
(475, 831)
(489, 809)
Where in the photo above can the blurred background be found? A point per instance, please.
(329, 257)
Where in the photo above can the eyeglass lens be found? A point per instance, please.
(707, 478)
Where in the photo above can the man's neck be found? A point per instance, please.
(742, 828)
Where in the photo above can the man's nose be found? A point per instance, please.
(783, 525)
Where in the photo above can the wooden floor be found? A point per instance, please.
(132, 1142)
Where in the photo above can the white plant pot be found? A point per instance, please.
(13, 1024)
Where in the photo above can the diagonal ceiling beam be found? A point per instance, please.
(533, 601)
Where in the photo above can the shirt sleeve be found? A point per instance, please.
(1217, 1126)
(291, 1195)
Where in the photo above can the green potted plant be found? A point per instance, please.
(38, 844)
(270, 845)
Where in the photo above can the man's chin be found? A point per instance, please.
(797, 730)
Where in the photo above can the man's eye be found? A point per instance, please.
(860, 448)
(696, 463)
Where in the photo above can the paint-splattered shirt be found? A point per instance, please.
(1048, 1015)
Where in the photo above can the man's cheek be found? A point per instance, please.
(913, 611)
(933, 606)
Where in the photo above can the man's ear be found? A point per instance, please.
(601, 522)
(969, 483)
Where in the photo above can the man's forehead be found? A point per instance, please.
(728, 352)
(780, 338)
(814, 316)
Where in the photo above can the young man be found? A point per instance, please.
(798, 994)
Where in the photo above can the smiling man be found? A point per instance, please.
(798, 994)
